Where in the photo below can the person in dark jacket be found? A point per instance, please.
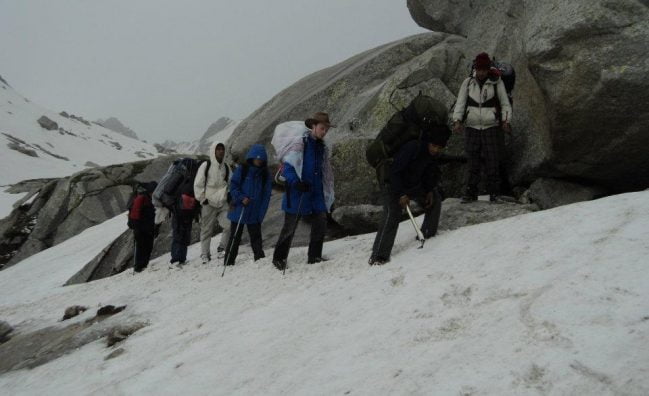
(250, 189)
(413, 174)
(141, 216)
(184, 212)
(309, 191)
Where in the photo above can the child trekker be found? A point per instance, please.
(250, 189)
(141, 216)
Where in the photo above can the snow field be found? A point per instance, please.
(552, 302)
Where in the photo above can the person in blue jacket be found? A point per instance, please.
(309, 190)
(250, 189)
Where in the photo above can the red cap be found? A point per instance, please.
(482, 61)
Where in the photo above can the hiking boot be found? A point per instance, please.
(315, 260)
(220, 249)
(261, 256)
(280, 264)
(468, 198)
(205, 259)
(377, 261)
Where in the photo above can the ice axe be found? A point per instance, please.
(420, 236)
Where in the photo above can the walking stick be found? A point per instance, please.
(420, 236)
(231, 241)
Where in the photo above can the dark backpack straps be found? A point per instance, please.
(227, 172)
(207, 168)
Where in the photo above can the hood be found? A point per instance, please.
(257, 151)
(211, 153)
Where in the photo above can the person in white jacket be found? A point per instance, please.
(211, 190)
(482, 107)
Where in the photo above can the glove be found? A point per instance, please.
(245, 201)
(429, 200)
(404, 200)
(303, 186)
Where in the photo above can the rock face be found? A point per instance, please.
(5, 330)
(550, 193)
(65, 207)
(114, 124)
(361, 94)
(580, 102)
(48, 124)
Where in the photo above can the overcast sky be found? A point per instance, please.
(169, 68)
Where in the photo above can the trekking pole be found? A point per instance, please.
(231, 241)
(297, 221)
(420, 236)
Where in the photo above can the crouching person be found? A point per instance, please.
(183, 214)
(250, 189)
(141, 217)
(413, 175)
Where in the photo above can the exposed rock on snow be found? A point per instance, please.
(71, 312)
(5, 330)
(550, 193)
(114, 124)
(48, 124)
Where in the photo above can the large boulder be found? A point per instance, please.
(581, 98)
(550, 193)
(64, 207)
(48, 124)
(361, 94)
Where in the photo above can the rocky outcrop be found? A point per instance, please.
(115, 125)
(361, 94)
(48, 124)
(5, 330)
(581, 96)
(550, 193)
(65, 207)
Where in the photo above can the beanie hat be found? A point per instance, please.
(482, 61)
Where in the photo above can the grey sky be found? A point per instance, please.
(169, 68)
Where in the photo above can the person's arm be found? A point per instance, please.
(199, 183)
(290, 175)
(401, 160)
(235, 186)
(460, 103)
(447, 158)
(505, 106)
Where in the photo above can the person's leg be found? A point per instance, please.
(285, 237)
(491, 150)
(175, 238)
(254, 231)
(208, 221)
(185, 238)
(431, 217)
(225, 224)
(137, 254)
(472, 147)
(232, 248)
(384, 239)
(318, 231)
(148, 248)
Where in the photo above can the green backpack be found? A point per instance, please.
(411, 123)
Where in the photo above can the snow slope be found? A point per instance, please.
(59, 152)
(553, 302)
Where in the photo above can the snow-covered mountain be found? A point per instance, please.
(552, 302)
(114, 124)
(220, 131)
(60, 145)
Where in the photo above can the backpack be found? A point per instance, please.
(138, 189)
(207, 168)
(411, 123)
(167, 192)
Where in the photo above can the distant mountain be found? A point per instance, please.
(221, 130)
(38, 143)
(116, 125)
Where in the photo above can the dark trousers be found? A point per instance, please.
(318, 230)
(181, 236)
(143, 248)
(483, 145)
(232, 248)
(392, 211)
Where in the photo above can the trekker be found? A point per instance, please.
(309, 189)
(482, 107)
(141, 216)
(211, 190)
(414, 174)
(184, 212)
(250, 189)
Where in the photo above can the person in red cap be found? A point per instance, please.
(481, 109)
